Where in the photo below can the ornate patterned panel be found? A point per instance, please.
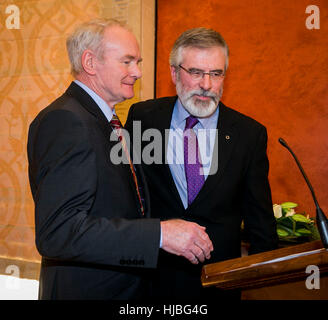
(34, 70)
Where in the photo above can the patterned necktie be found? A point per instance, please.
(117, 127)
(192, 162)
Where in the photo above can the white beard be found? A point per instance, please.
(198, 108)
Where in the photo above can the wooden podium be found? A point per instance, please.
(272, 275)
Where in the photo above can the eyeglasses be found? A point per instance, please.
(197, 74)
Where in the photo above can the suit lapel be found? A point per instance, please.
(164, 117)
(90, 105)
(225, 142)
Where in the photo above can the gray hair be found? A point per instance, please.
(88, 35)
(201, 38)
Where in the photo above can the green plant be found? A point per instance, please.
(292, 226)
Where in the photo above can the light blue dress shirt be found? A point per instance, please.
(206, 131)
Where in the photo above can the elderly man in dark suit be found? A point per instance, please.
(214, 169)
(91, 212)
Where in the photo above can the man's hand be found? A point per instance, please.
(187, 239)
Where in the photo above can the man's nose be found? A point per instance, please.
(206, 82)
(136, 72)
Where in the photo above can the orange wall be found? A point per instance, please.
(278, 74)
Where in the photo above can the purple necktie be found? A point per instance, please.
(193, 168)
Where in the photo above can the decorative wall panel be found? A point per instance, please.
(34, 70)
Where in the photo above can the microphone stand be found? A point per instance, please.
(321, 219)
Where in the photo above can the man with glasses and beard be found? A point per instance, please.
(214, 166)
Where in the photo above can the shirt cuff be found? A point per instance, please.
(160, 241)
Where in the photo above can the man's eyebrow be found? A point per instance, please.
(215, 70)
(130, 57)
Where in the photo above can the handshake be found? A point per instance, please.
(187, 239)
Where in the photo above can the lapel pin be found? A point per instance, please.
(227, 137)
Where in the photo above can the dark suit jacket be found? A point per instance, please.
(238, 191)
(89, 230)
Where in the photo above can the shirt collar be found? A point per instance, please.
(107, 111)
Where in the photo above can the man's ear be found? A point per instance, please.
(88, 61)
(173, 74)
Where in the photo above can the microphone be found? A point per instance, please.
(321, 219)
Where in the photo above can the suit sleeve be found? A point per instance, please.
(260, 225)
(63, 178)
